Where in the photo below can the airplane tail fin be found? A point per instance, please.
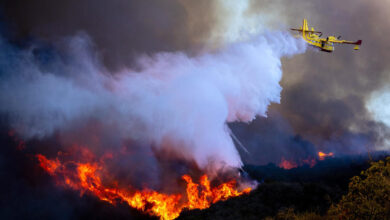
(305, 25)
(304, 29)
(357, 43)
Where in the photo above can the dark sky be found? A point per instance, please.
(120, 29)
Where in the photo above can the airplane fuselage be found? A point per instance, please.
(314, 40)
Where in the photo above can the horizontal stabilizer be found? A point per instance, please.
(295, 29)
(359, 42)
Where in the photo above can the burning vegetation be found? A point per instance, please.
(310, 161)
(92, 177)
(93, 190)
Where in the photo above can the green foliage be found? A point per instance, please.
(368, 196)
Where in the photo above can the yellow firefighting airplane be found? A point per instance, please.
(313, 38)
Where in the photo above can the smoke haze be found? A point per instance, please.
(325, 96)
(171, 101)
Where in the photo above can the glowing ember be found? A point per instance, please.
(322, 155)
(86, 177)
(310, 161)
(287, 165)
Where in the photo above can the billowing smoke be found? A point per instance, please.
(168, 100)
(325, 96)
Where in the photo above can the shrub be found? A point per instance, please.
(368, 195)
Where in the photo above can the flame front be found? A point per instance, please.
(86, 177)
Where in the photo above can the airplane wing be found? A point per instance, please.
(333, 40)
(359, 42)
(300, 30)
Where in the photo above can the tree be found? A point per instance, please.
(368, 195)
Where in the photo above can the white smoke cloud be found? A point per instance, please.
(236, 22)
(170, 99)
(378, 105)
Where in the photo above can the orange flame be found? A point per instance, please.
(49, 165)
(322, 155)
(86, 177)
